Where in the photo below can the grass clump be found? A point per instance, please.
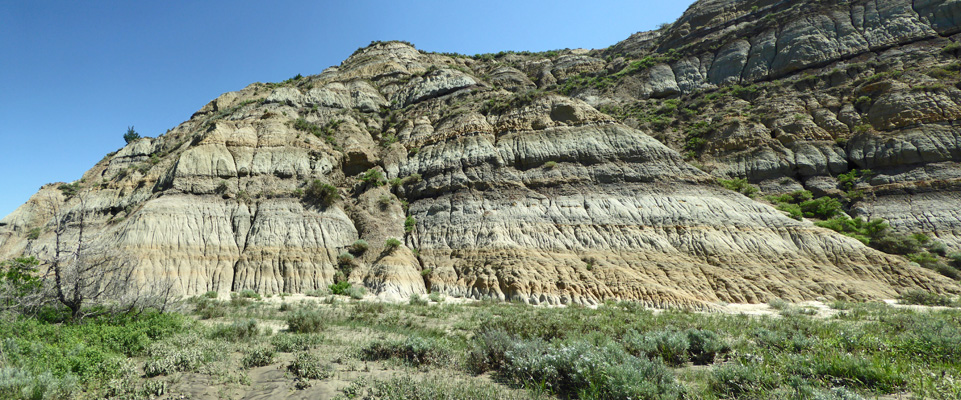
(320, 194)
(290, 342)
(237, 331)
(925, 298)
(305, 320)
(415, 351)
(416, 300)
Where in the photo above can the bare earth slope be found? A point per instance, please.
(508, 188)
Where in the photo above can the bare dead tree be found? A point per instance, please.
(88, 277)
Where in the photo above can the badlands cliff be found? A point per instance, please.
(562, 177)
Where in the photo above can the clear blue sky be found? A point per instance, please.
(75, 74)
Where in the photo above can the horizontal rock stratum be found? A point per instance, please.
(502, 177)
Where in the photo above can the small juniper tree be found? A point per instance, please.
(131, 135)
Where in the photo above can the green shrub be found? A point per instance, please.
(436, 297)
(207, 308)
(858, 228)
(738, 380)
(924, 298)
(384, 201)
(289, 343)
(18, 278)
(373, 177)
(851, 178)
(318, 293)
(793, 210)
(308, 366)
(739, 185)
(258, 357)
(237, 331)
(34, 234)
(69, 189)
(406, 388)
(848, 370)
(238, 301)
(951, 48)
(955, 259)
(938, 248)
(414, 350)
(823, 208)
(17, 384)
(669, 346)
(249, 294)
(489, 351)
(359, 247)
(391, 244)
(340, 288)
(356, 292)
(131, 135)
(582, 369)
(183, 353)
(409, 224)
(412, 178)
(705, 346)
(320, 194)
(795, 197)
(416, 300)
(896, 244)
(305, 321)
(345, 259)
(211, 294)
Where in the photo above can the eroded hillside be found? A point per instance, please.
(569, 176)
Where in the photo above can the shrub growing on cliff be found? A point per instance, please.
(131, 135)
(359, 247)
(373, 177)
(391, 244)
(345, 259)
(321, 194)
(739, 185)
(822, 207)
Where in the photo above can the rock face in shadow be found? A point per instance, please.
(548, 178)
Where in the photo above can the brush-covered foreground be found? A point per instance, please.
(334, 347)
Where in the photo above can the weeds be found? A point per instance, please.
(305, 321)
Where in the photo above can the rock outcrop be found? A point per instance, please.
(553, 178)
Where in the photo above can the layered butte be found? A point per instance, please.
(502, 177)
